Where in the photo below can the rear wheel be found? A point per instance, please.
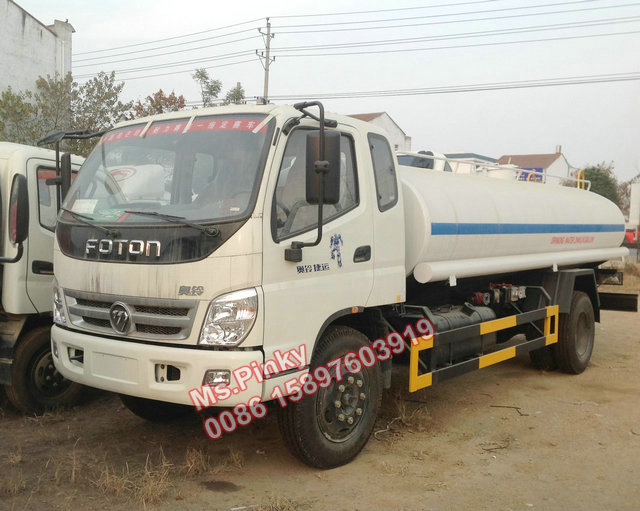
(154, 411)
(36, 385)
(576, 335)
(331, 426)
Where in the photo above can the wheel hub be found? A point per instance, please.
(341, 407)
(46, 378)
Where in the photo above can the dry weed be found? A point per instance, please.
(278, 504)
(12, 482)
(234, 461)
(196, 462)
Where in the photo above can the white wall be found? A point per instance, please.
(29, 49)
(560, 167)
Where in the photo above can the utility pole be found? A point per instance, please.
(267, 60)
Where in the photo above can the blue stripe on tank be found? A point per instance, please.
(448, 229)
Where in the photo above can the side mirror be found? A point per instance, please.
(19, 210)
(65, 174)
(321, 168)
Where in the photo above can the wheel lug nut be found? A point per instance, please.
(350, 379)
(362, 395)
(358, 411)
(359, 383)
(350, 420)
(341, 418)
(337, 404)
(341, 388)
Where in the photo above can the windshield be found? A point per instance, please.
(205, 171)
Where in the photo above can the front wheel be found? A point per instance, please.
(330, 427)
(36, 385)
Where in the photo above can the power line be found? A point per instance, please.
(381, 10)
(464, 35)
(498, 43)
(224, 56)
(522, 84)
(190, 70)
(442, 15)
(540, 28)
(491, 18)
(169, 38)
(167, 46)
(169, 52)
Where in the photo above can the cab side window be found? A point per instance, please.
(47, 199)
(384, 172)
(292, 214)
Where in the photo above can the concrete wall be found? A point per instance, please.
(29, 49)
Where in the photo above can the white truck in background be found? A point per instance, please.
(29, 204)
(274, 231)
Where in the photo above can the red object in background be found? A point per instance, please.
(630, 235)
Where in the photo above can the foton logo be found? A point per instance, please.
(122, 247)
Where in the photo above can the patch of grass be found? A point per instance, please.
(15, 457)
(278, 504)
(196, 462)
(234, 461)
(146, 486)
(12, 483)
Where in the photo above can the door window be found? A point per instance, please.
(292, 214)
(47, 199)
(384, 172)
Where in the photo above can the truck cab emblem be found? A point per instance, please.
(120, 317)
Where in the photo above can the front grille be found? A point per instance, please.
(155, 319)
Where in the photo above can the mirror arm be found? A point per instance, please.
(13, 259)
(294, 254)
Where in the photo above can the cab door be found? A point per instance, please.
(333, 277)
(43, 211)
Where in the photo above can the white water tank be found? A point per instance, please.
(468, 225)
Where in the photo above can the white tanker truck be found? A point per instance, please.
(224, 283)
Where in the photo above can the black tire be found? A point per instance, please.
(36, 385)
(311, 428)
(576, 335)
(544, 359)
(155, 411)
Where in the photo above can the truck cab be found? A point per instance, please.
(26, 368)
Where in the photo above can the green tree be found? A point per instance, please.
(209, 88)
(16, 117)
(235, 96)
(159, 103)
(62, 104)
(603, 181)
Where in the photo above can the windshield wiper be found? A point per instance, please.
(90, 221)
(208, 230)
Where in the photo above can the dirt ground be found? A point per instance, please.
(507, 437)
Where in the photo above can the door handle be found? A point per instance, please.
(362, 254)
(42, 267)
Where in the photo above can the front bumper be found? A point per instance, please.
(142, 370)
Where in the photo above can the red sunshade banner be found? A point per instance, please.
(226, 124)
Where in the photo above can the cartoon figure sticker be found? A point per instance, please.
(334, 244)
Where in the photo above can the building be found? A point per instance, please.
(398, 138)
(31, 49)
(554, 164)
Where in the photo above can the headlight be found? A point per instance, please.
(58, 306)
(230, 318)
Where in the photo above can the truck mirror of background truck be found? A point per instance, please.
(18, 216)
